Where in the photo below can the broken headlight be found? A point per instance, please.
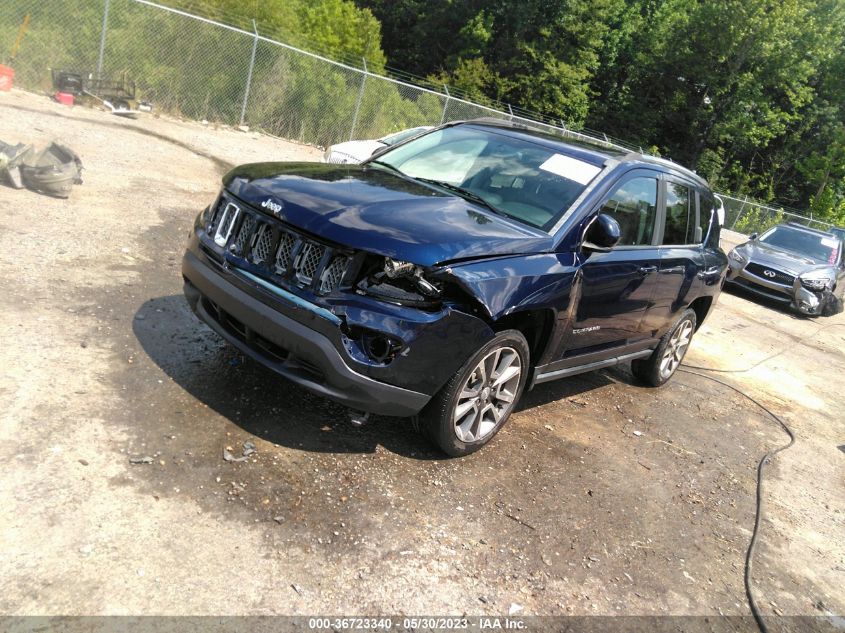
(397, 270)
(737, 256)
(208, 213)
(817, 280)
(399, 282)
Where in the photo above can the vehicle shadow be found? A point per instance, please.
(570, 388)
(268, 406)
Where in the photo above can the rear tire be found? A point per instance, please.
(665, 360)
(477, 401)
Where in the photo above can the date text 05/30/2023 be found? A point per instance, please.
(413, 624)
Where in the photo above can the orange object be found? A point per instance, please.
(7, 77)
(64, 98)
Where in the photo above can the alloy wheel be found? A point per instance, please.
(675, 350)
(488, 395)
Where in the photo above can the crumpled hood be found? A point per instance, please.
(375, 210)
(780, 259)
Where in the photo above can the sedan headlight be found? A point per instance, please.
(737, 257)
(817, 280)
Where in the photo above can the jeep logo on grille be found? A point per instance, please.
(770, 273)
(274, 207)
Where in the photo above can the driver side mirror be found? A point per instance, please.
(752, 237)
(602, 234)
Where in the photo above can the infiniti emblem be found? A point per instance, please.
(274, 207)
(770, 273)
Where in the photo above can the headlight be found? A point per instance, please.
(820, 280)
(395, 269)
(208, 213)
(734, 255)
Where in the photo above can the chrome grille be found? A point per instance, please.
(308, 261)
(280, 251)
(284, 255)
(224, 226)
(261, 249)
(333, 274)
(243, 234)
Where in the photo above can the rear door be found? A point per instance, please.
(617, 287)
(681, 253)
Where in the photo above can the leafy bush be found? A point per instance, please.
(757, 221)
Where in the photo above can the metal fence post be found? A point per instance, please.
(445, 105)
(510, 109)
(741, 209)
(249, 73)
(358, 101)
(103, 39)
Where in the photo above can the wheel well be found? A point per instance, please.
(701, 307)
(535, 325)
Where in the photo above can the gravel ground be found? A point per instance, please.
(599, 497)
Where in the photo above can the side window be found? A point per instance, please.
(634, 206)
(680, 215)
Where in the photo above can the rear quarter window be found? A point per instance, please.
(680, 215)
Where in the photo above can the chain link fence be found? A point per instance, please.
(193, 67)
(746, 216)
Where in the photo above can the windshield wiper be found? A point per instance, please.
(388, 165)
(464, 193)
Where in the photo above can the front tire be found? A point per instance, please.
(665, 360)
(831, 304)
(477, 401)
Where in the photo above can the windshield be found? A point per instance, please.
(393, 139)
(525, 181)
(820, 248)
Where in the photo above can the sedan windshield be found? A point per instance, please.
(820, 248)
(398, 137)
(526, 181)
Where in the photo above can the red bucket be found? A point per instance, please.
(7, 77)
(65, 98)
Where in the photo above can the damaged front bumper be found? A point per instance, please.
(807, 301)
(800, 299)
(328, 348)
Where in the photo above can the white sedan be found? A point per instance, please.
(353, 152)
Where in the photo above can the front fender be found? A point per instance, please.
(507, 285)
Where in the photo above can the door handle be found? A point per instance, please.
(647, 270)
(710, 272)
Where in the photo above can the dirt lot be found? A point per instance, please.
(599, 497)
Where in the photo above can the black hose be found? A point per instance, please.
(749, 555)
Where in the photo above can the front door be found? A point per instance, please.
(617, 287)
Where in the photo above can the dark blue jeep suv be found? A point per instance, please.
(445, 275)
